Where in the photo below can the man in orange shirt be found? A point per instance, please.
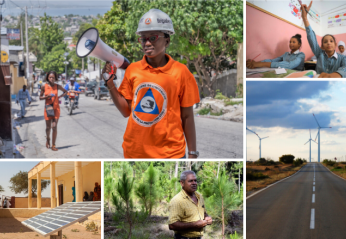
(157, 94)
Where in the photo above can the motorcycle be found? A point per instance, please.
(71, 100)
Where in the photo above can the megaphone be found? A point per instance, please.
(90, 44)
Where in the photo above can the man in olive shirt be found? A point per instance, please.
(187, 214)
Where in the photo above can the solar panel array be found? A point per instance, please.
(63, 216)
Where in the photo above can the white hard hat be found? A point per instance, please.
(155, 20)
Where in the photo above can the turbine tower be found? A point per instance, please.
(260, 139)
(319, 137)
(310, 145)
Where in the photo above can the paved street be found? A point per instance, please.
(309, 205)
(96, 130)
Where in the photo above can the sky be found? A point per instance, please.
(9, 169)
(57, 8)
(283, 110)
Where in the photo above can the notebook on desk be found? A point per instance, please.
(258, 70)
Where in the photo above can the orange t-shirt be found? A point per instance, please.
(154, 128)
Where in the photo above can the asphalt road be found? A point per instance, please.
(96, 130)
(288, 209)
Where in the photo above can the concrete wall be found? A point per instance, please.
(22, 202)
(20, 212)
(270, 36)
(91, 173)
(226, 83)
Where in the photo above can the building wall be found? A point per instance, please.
(91, 173)
(22, 202)
(18, 82)
(270, 36)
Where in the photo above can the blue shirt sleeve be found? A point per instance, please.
(342, 69)
(289, 64)
(280, 58)
(66, 87)
(313, 41)
(77, 87)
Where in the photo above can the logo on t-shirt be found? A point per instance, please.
(150, 104)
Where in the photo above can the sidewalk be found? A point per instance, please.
(6, 149)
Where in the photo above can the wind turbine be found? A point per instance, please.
(310, 145)
(319, 137)
(260, 139)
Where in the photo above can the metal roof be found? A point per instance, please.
(15, 48)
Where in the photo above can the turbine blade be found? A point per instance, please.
(314, 141)
(307, 142)
(310, 133)
(316, 120)
(317, 134)
(265, 137)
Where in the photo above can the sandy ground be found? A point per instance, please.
(12, 228)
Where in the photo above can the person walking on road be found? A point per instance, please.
(157, 94)
(49, 93)
(22, 96)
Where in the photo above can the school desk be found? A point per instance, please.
(310, 65)
(270, 74)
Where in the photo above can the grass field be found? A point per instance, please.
(266, 175)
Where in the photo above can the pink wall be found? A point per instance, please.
(340, 37)
(270, 36)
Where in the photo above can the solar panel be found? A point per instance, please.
(63, 216)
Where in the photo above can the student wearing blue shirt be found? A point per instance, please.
(290, 60)
(72, 85)
(329, 63)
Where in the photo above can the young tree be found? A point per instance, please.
(108, 189)
(147, 191)
(123, 202)
(19, 184)
(225, 197)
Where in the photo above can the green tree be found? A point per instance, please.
(147, 191)
(225, 197)
(237, 167)
(2, 189)
(54, 60)
(108, 189)
(123, 202)
(287, 159)
(19, 184)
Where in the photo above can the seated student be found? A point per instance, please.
(329, 63)
(341, 46)
(290, 60)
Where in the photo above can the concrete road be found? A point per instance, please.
(96, 130)
(309, 205)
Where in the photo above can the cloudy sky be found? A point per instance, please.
(283, 110)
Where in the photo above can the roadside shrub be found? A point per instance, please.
(261, 161)
(204, 111)
(255, 176)
(329, 162)
(287, 158)
(298, 162)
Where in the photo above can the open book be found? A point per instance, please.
(303, 74)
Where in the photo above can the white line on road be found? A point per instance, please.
(313, 198)
(312, 220)
(313, 188)
(314, 183)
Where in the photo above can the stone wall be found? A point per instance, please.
(226, 83)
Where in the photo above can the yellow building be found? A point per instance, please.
(64, 175)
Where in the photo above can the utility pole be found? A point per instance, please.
(2, 3)
(27, 49)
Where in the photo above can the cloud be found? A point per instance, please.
(329, 143)
(287, 104)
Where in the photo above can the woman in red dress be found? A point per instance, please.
(49, 92)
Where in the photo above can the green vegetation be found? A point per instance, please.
(287, 159)
(251, 176)
(140, 193)
(2, 189)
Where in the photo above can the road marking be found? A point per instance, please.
(314, 183)
(313, 198)
(312, 220)
(313, 188)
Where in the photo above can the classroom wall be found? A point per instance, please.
(340, 37)
(270, 36)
